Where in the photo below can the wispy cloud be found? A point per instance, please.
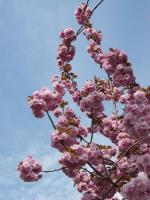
(51, 186)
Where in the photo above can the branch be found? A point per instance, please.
(87, 3)
(82, 138)
(91, 137)
(85, 169)
(108, 160)
(110, 189)
(137, 142)
(97, 173)
(114, 184)
(92, 132)
(53, 125)
(55, 170)
(98, 176)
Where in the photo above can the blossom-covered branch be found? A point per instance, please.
(98, 171)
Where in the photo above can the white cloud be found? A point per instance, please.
(51, 186)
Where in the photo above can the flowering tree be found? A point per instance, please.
(98, 171)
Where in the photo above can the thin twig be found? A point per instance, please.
(108, 160)
(91, 139)
(85, 169)
(82, 138)
(55, 170)
(137, 142)
(110, 189)
(97, 172)
(98, 176)
(87, 3)
(53, 125)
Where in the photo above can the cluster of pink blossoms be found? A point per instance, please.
(30, 169)
(66, 50)
(46, 100)
(91, 189)
(116, 64)
(98, 171)
(82, 13)
(90, 100)
(68, 129)
(92, 34)
(138, 188)
(137, 115)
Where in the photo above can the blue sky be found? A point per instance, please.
(28, 43)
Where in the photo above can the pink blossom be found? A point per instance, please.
(125, 166)
(68, 35)
(65, 54)
(115, 63)
(38, 107)
(95, 51)
(82, 13)
(124, 141)
(88, 87)
(111, 127)
(92, 104)
(140, 97)
(138, 188)
(75, 158)
(91, 33)
(143, 164)
(59, 88)
(136, 116)
(61, 140)
(30, 169)
(57, 113)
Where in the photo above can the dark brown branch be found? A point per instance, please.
(97, 172)
(92, 132)
(98, 176)
(91, 138)
(87, 3)
(85, 169)
(53, 125)
(137, 142)
(55, 170)
(82, 138)
(110, 189)
(114, 184)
